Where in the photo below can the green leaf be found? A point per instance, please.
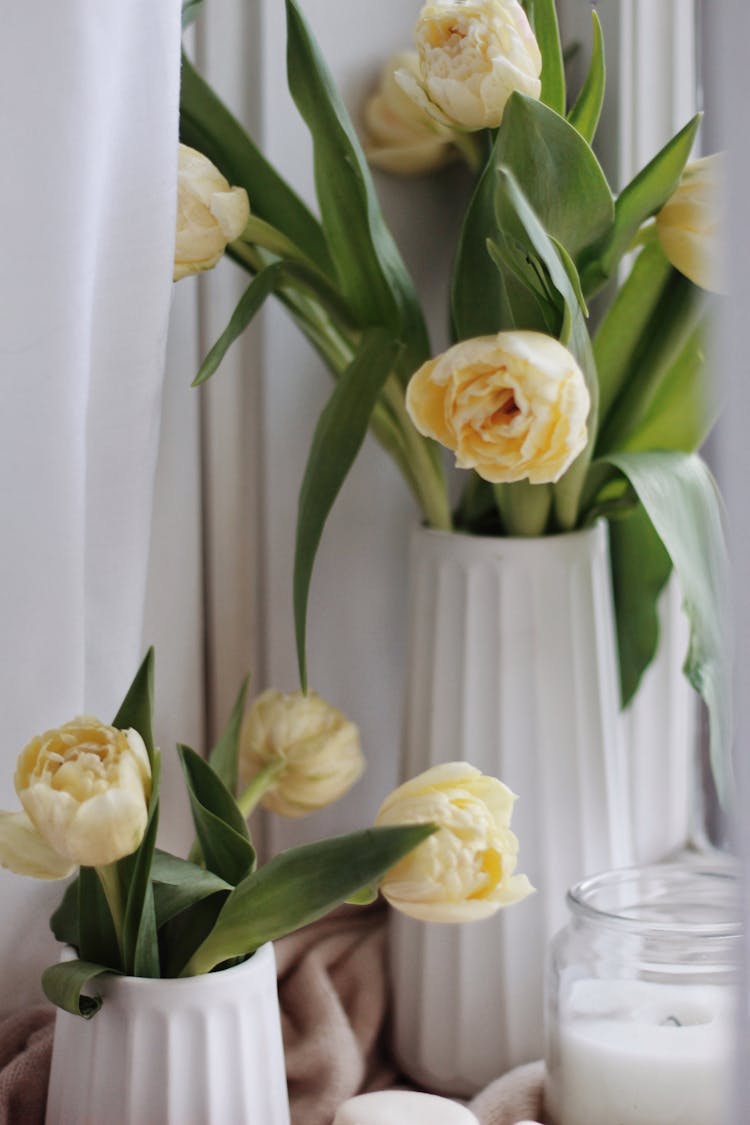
(623, 328)
(585, 114)
(270, 280)
(140, 949)
(223, 758)
(220, 827)
(679, 310)
(640, 569)
(64, 921)
(63, 985)
(190, 12)
(642, 198)
(137, 708)
(301, 885)
(682, 502)
(178, 884)
(185, 932)
(479, 304)
(370, 272)
(339, 434)
(683, 408)
(553, 68)
(97, 938)
(207, 125)
(557, 172)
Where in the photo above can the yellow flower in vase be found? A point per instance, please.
(511, 406)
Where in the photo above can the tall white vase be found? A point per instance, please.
(512, 667)
(202, 1050)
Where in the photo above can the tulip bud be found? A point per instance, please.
(210, 214)
(511, 406)
(85, 787)
(402, 137)
(472, 56)
(690, 226)
(309, 749)
(464, 871)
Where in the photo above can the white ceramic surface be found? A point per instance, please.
(402, 1107)
(198, 1051)
(512, 667)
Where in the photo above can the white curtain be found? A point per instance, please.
(88, 119)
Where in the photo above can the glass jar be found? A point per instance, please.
(640, 998)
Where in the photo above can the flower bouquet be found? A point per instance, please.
(556, 426)
(154, 930)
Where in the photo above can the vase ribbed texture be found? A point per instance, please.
(198, 1051)
(512, 667)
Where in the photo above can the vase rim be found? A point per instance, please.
(257, 962)
(693, 899)
(578, 533)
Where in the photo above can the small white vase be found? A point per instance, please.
(203, 1050)
(512, 667)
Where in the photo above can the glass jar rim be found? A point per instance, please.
(589, 899)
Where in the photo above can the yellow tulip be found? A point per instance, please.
(511, 406)
(690, 226)
(308, 751)
(465, 871)
(210, 214)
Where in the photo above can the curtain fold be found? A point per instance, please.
(88, 117)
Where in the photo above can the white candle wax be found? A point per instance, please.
(640, 1053)
(402, 1107)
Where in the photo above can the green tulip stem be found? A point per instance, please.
(425, 465)
(263, 781)
(110, 881)
(524, 507)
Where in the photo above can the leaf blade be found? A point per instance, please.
(338, 437)
(220, 827)
(585, 114)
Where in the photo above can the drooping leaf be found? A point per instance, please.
(299, 886)
(682, 502)
(270, 280)
(223, 758)
(178, 884)
(642, 198)
(219, 825)
(207, 125)
(339, 434)
(585, 114)
(370, 272)
(640, 569)
(63, 984)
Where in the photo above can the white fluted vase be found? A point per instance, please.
(201, 1050)
(512, 667)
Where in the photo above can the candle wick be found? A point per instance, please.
(671, 1021)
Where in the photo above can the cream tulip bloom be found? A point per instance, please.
(465, 871)
(310, 749)
(472, 56)
(690, 226)
(85, 788)
(402, 137)
(210, 214)
(25, 852)
(511, 406)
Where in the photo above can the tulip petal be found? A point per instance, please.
(25, 852)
